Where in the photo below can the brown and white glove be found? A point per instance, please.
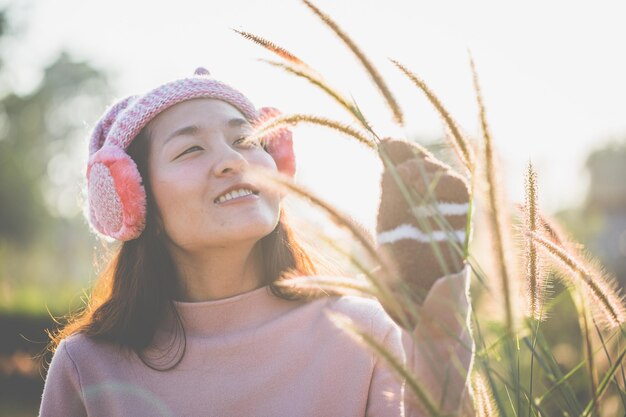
(408, 237)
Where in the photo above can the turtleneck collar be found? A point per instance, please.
(237, 313)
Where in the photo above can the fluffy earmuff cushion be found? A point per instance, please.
(279, 143)
(117, 198)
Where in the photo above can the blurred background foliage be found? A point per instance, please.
(47, 252)
(44, 244)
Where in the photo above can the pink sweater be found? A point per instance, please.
(255, 354)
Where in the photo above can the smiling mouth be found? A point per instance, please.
(234, 194)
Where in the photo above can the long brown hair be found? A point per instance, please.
(134, 293)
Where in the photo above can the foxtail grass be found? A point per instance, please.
(402, 297)
(535, 276)
(396, 364)
(604, 342)
(604, 383)
(329, 284)
(317, 80)
(416, 202)
(460, 143)
(388, 273)
(296, 66)
(601, 287)
(369, 67)
(588, 349)
(494, 204)
(503, 350)
(483, 398)
(271, 46)
(276, 123)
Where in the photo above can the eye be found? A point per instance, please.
(248, 142)
(189, 150)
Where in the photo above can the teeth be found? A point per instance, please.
(234, 194)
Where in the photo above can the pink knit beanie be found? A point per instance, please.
(116, 196)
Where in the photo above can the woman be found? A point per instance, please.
(188, 320)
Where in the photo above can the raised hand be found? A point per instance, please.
(425, 240)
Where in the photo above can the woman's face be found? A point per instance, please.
(196, 155)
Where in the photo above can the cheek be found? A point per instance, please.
(165, 194)
(172, 192)
(268, 162)
(264, 159)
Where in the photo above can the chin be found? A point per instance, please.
(252, 231)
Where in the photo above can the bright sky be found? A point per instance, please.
(552, 73)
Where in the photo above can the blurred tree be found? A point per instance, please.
(45, 247)
(33, 130)
(607, 167)
(600, 223)
(43, 151)
(607, 196)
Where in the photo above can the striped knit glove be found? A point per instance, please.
(412, 238)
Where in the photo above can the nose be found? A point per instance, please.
(231, 161)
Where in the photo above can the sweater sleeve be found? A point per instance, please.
(439, 350)
(438, 353)
(62, 394)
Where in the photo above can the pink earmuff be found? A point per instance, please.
(117, 198)
(279, 143)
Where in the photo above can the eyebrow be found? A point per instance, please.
(194, 129)
(236, 122)
(187, 130)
